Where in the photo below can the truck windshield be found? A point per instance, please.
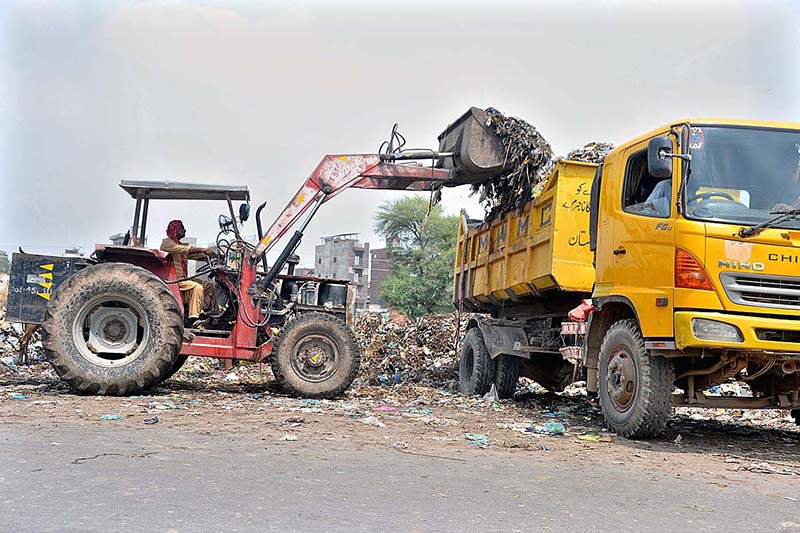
(743, 175)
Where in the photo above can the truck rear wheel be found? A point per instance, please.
(316, 356)
(634, 388)
(476, 370)
(507, 375)
(112, 329)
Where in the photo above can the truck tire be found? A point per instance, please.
(112, 329)
(796, 415)
(476, 370)
(507, 375)
(634, 388)
(179, 362)
(316, 356)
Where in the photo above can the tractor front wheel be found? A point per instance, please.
(113, 329)
(316, 356)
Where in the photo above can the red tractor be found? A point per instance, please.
(114, 324)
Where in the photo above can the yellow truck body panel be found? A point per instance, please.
(541, 248)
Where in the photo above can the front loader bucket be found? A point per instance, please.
(479, 154)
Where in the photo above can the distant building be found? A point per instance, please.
(345, 257)
(306, 272)
(381, 264)
(73, 252)
(119, 238)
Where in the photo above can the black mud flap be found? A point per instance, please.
(33, 280)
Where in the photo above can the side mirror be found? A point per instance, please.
(659, 157)
(244, 212)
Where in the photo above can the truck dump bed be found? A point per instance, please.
(525, 256)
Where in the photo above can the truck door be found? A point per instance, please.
(644, 243)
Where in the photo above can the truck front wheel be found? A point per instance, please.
(634, 388)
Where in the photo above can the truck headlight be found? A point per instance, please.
(711, 330)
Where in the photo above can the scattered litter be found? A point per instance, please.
(551, 428)
(477, 439)
(491, 396)
(152, 420)
(20, 397)
(418, 411)
(111, 417)
(372, 421)
(678, 440)
(310, 402)
(593, 438)
(766, 468)
(791, 499)
(290, 438)
(233, 376)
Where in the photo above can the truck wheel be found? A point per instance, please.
(316, 356)
(796, 416)
(476, 370)
(179, 362)
(112, 329)
(634, 388)
(507, 375)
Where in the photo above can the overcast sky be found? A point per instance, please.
(92, 93)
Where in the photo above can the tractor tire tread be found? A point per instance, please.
(70, 369)
(284, 336)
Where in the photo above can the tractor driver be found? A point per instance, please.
(198, 293)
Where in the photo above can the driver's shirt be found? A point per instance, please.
(178, 253)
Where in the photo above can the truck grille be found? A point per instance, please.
(778, 335)
(761, 290)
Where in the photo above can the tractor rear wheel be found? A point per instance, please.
(634, 387)
(316, 356)
(113, 329)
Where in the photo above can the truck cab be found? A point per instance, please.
(695, 240)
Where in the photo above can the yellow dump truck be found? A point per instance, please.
(683, 249)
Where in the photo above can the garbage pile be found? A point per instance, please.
(528, 163)
(593, 152)
(399, 350)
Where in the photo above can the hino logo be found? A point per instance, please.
(741, 265)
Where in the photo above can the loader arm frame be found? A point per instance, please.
(336, 173)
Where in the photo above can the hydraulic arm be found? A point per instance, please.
(334, 174)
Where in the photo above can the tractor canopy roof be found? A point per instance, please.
(173, 190)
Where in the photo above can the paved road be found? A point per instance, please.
(77, 478)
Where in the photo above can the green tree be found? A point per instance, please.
(5, 266)
(424, 246)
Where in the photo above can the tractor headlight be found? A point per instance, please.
(711, 330)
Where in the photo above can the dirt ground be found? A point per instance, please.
(727, 447)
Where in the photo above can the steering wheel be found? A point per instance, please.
(711, 194)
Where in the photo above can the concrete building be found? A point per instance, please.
(381, 263)
(345, 257)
